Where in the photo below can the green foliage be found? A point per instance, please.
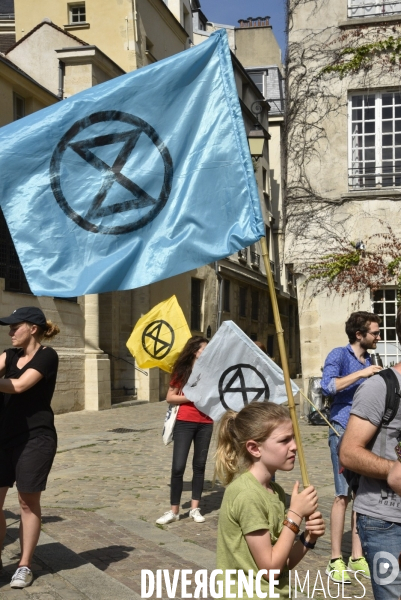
(332, 265)
(351, 270)
(353, 59)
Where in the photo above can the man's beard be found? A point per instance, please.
(366, 345)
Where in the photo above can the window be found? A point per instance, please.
(242, 301)
(270, 315)
(10, 266)
(375, 140)
(265, 181)
(258, 78)
(243, 255)
(270, 345)
(267, 236)
(77, 13)
(226, 295)
(385, 304)
(291, 331)
(255, 305)
(255, 258)
(19, 107)
(196, 304)
(372, 8)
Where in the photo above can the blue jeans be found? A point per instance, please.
(340, 483)
(186, 432)
(381, 544)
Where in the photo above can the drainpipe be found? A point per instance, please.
(61, 72)
(135, 22)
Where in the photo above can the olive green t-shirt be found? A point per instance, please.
(247, 506)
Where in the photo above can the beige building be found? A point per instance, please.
(60, 61)
(343, 186)
(132, 33)
(72, 46)
(20, 94)
(259, 57)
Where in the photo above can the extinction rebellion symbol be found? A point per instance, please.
(158, 339)
(240, 380)
(95, 168)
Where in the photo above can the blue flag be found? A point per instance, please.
(135, 180)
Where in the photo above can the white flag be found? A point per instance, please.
(233, 372)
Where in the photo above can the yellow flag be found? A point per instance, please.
(159, 336)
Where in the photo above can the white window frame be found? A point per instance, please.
(389, 350)
(383, 176)
(73, 6)
(259, 72)
(373, 8)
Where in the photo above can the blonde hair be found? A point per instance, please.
(51, 330)
(256, 421)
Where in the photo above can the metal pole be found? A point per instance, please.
(284, 362)
(320, 413)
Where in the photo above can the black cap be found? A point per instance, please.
(28, 314)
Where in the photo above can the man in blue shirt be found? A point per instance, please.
(344, 370)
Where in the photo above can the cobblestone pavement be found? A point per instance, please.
(108, 485)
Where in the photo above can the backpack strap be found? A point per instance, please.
(392, 395)
(390, 410)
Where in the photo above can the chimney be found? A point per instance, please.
(254, 22)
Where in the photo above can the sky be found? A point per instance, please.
(229, 11)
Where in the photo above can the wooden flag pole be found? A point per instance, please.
(284, 362)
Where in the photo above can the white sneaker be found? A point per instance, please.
(168, 517)
(196, 515)
(21, 578)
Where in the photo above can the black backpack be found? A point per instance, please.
(390, 411)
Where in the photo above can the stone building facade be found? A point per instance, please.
(343, 156)
(254, 45)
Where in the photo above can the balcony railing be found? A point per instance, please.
(367, 8)
(243, 255)
(372, 177)
(276, 105)
(255, 260)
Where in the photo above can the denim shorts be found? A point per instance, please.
(341, 486)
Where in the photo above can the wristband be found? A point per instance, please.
(305, 543)
(291, 525)
(295, 513)
(398, 451)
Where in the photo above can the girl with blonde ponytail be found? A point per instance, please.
(255, 531)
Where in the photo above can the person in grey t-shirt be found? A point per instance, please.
(394, 477)
(378, 506)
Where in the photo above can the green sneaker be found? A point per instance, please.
(337, 571)
(360, 565)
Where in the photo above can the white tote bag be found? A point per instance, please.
(169, 422)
